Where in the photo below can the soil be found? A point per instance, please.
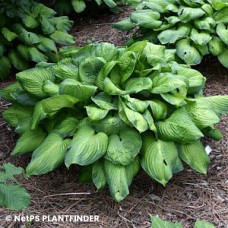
(187, 197)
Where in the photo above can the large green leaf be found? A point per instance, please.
(135, 85)
(17, 113)
(223, 58)
(76, 89)
(146, 18)
(104, 101)
(50, 106)
(119, 178)
(123, 148)
(160, 159)
(95, 113)
(33, 79)
(78, 5)
(14, 197)
(195, 155)
(62, 38)
(98, 175)
(49, 155)
(86, 147)
(179, 128)
(187, 14)
(90, 68)
(203, 224)
(200, 38)
(29, 141)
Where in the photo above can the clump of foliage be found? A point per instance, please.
(111, 109)
(159, 223)
(64, 7)
(29, 32)
(194, 28)
(12, 195)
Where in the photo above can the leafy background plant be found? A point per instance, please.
(159, 223)
(193, 28)
(12, 195)
(29, 32)
(110, 110)
(65, 7)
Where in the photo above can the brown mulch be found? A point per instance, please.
(187, 197)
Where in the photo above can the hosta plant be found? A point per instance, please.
(111, 110)
(194, 28)
(64, 7)
(29, 32)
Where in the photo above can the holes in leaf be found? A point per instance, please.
(164, 161)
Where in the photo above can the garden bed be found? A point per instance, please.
(187, 197)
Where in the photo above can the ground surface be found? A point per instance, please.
(188, 195)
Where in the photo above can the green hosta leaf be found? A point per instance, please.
(33, 85)
(207, 23)
(219, 103)
(221, 16)
(123, 148)
(202, 114)
(62, 23)
(95, 113)
(159, 223)
(110, 125)
(159, 109)
(6, 92)
(76, 89)
(46, 44)
(200, 38)
(179, 128)
(149, 118)
(160, 159)
(174, 99)
(8, 35)
(187, 14)
(203, 224)
(111, 89)
(62, 38)
(50, 106)
(104, 101)
(196, 80)
(119, 178)
(90, 68)
(78, 5)
(125, 66)
(46, 25)
(49, 155)
(24, 125)
(223, 58)
(213, 133)
(40, 9)
(136, 104)
(14, 197)
(124, 25)
(195, 155)
(29, 141)
(5, 67)
(187, 52)
(98, 175)
(17, 60)
(65, 69)
(172, 35)
(106, 51)
(222, 31)
(135, 85)
(104, 73)
(30, 21)
(50, 88)
(146, 18)
(36, 55)
(110, 3)
(216, 46)
(68, 126)
(17, 113)
(136, 119)
(86, 147)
